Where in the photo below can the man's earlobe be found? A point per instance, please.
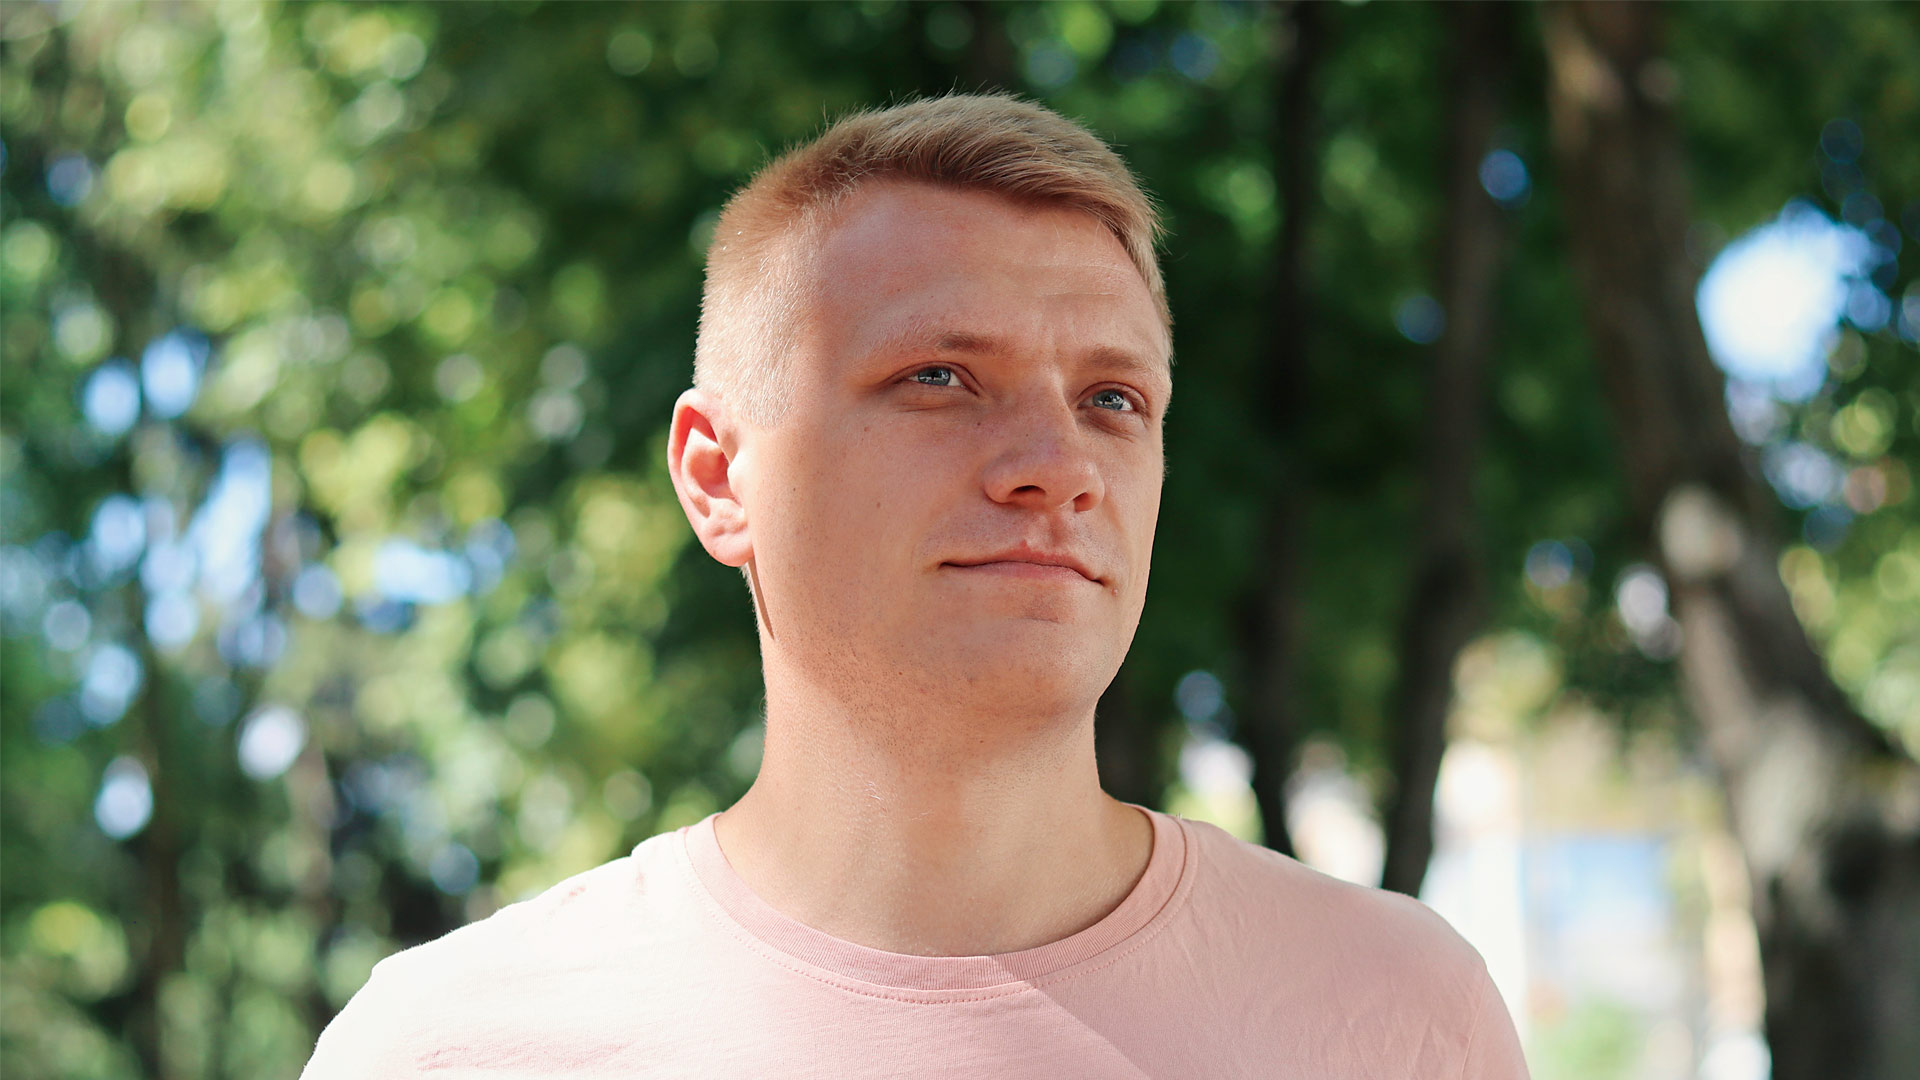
(700, 445)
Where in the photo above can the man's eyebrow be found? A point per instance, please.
(1127, 360)
(923, 336)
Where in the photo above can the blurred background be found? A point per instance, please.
(1540, 536)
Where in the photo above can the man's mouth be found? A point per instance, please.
(1027, 561)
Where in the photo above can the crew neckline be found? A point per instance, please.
(1152, 902)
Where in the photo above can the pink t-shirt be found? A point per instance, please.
(1226, 960)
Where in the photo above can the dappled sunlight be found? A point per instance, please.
(125, 802)
(1772, 301)
(1331, 819)
(343, 588)
(1592, 871)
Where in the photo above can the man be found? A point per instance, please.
(932, 366)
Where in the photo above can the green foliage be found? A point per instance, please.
(443, 265)
(1596, 1039)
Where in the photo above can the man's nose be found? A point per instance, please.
(1045, 460)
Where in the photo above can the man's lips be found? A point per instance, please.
(1027, 561)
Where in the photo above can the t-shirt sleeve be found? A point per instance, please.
(362, 1041)
(1493, 1045)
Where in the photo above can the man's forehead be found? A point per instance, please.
(891, 222)
(904, 266)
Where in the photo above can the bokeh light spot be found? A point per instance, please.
(170, 371)
(1051, 65)
(111, 398)
(627, 795)
(1771, 301)
(1199, 696)
(119, 533)
(23, 583)
(1549, 564)
(317, 593)
(1841, 140)
(459, 377)
(69, 179)
(1420, 319)
(1194, 56)
(66, 625)
(949, 28)
(403, 570)
(173, 618)
(1801, 474)
(113, 676)
(1504, 176)
(454, 869)
(629, 51)
(270, 739)
(125, 802)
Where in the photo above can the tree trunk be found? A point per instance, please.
(1446, 602)
(162, 922)
(1127, 743)
(990, 64)
(1269, 729)
(1823, 806)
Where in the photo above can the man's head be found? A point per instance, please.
(934, 355)
(767, 236)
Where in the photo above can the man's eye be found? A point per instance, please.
(936, 376)
(1112, 399)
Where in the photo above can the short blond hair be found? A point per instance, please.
(988, 142)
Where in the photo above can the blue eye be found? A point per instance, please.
(1112, 400)
(922, 378)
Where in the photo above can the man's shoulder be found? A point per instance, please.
(1352, 958)
(582, 911)
(1285, 900)
(581, 922)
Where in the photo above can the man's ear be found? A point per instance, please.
(701, 445)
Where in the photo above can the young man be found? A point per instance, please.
(926, 422)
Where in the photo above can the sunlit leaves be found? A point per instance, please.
(352, 477)
(446, 259)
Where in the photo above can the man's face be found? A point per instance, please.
(978, 392)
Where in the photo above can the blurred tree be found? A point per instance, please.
(1271, 729)
(342, 593)
(1446, 603)
(1823, 802)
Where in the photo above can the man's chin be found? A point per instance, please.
(998, 612)
(1045, 655)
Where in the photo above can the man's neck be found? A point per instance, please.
(901, 843)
